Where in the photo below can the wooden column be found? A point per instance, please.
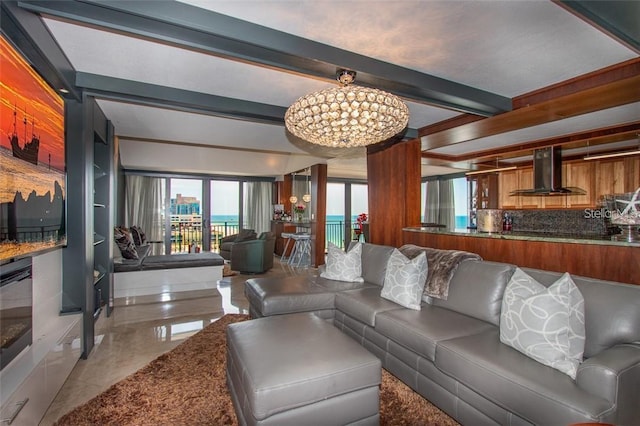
(286, 189)
(393, 175)
(318, 208)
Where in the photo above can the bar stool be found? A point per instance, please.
(301, 249)
(288, 236)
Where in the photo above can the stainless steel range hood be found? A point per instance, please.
(547, 175)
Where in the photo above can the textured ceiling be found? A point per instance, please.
(504, 48)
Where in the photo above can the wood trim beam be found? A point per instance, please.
(576, 140)
(586, 93)
(608, 75)
(602, 97)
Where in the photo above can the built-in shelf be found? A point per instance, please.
(98, 273)
(98, 172)
(98, 239)
(90, 238)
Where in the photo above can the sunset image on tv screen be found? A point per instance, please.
(32, 158)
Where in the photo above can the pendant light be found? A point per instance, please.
(307, 197)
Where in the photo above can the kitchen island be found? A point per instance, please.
(602, 257)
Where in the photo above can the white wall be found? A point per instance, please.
(47, 291)
(48, 329)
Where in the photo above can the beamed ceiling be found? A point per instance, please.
(201, 86)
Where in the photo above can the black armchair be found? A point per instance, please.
(254, 256)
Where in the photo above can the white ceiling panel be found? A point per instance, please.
(144, 122)
(142, 155)
(135, 59)
(506, 47)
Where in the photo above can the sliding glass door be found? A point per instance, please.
(225, 210)
(186, 215)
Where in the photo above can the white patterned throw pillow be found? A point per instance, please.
(343, 266)
(404, 279)
(546, 324)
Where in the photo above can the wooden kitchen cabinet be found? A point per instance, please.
(508, 182)
(581, 174)
(556, 201)
(596, 178)
(513, 180)
(609, 177)
(525, 181)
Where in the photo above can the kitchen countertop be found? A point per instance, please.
(528, 236)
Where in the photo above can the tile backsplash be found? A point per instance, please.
(561, 221)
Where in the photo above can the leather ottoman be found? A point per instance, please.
(299, 369)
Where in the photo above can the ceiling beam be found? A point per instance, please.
(194, 28)
(617, 19)
(135, 92)
(178, 99)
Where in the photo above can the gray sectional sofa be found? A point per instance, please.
(450, 351)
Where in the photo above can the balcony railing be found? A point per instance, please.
(184, 237)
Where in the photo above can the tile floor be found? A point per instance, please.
(142, 328)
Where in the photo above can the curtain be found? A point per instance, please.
(258, 209)
(144, 207)
(439, 203)
(446, 202)
(432, 202)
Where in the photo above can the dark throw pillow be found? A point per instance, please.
(125, 242)
(138, 235)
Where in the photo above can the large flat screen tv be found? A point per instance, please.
(32, 159)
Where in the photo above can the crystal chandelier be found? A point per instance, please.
(347, 116)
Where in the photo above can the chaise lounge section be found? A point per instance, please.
(154, 274)
(450, 350)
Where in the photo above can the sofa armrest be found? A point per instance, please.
(614, 374)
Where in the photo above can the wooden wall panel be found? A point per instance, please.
(318, 213)
(631, 173)
(606, 262)
(393, 176)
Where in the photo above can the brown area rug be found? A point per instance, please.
(187, 386)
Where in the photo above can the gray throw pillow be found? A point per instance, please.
(343, 266)
(546, 324)
(404, 279)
